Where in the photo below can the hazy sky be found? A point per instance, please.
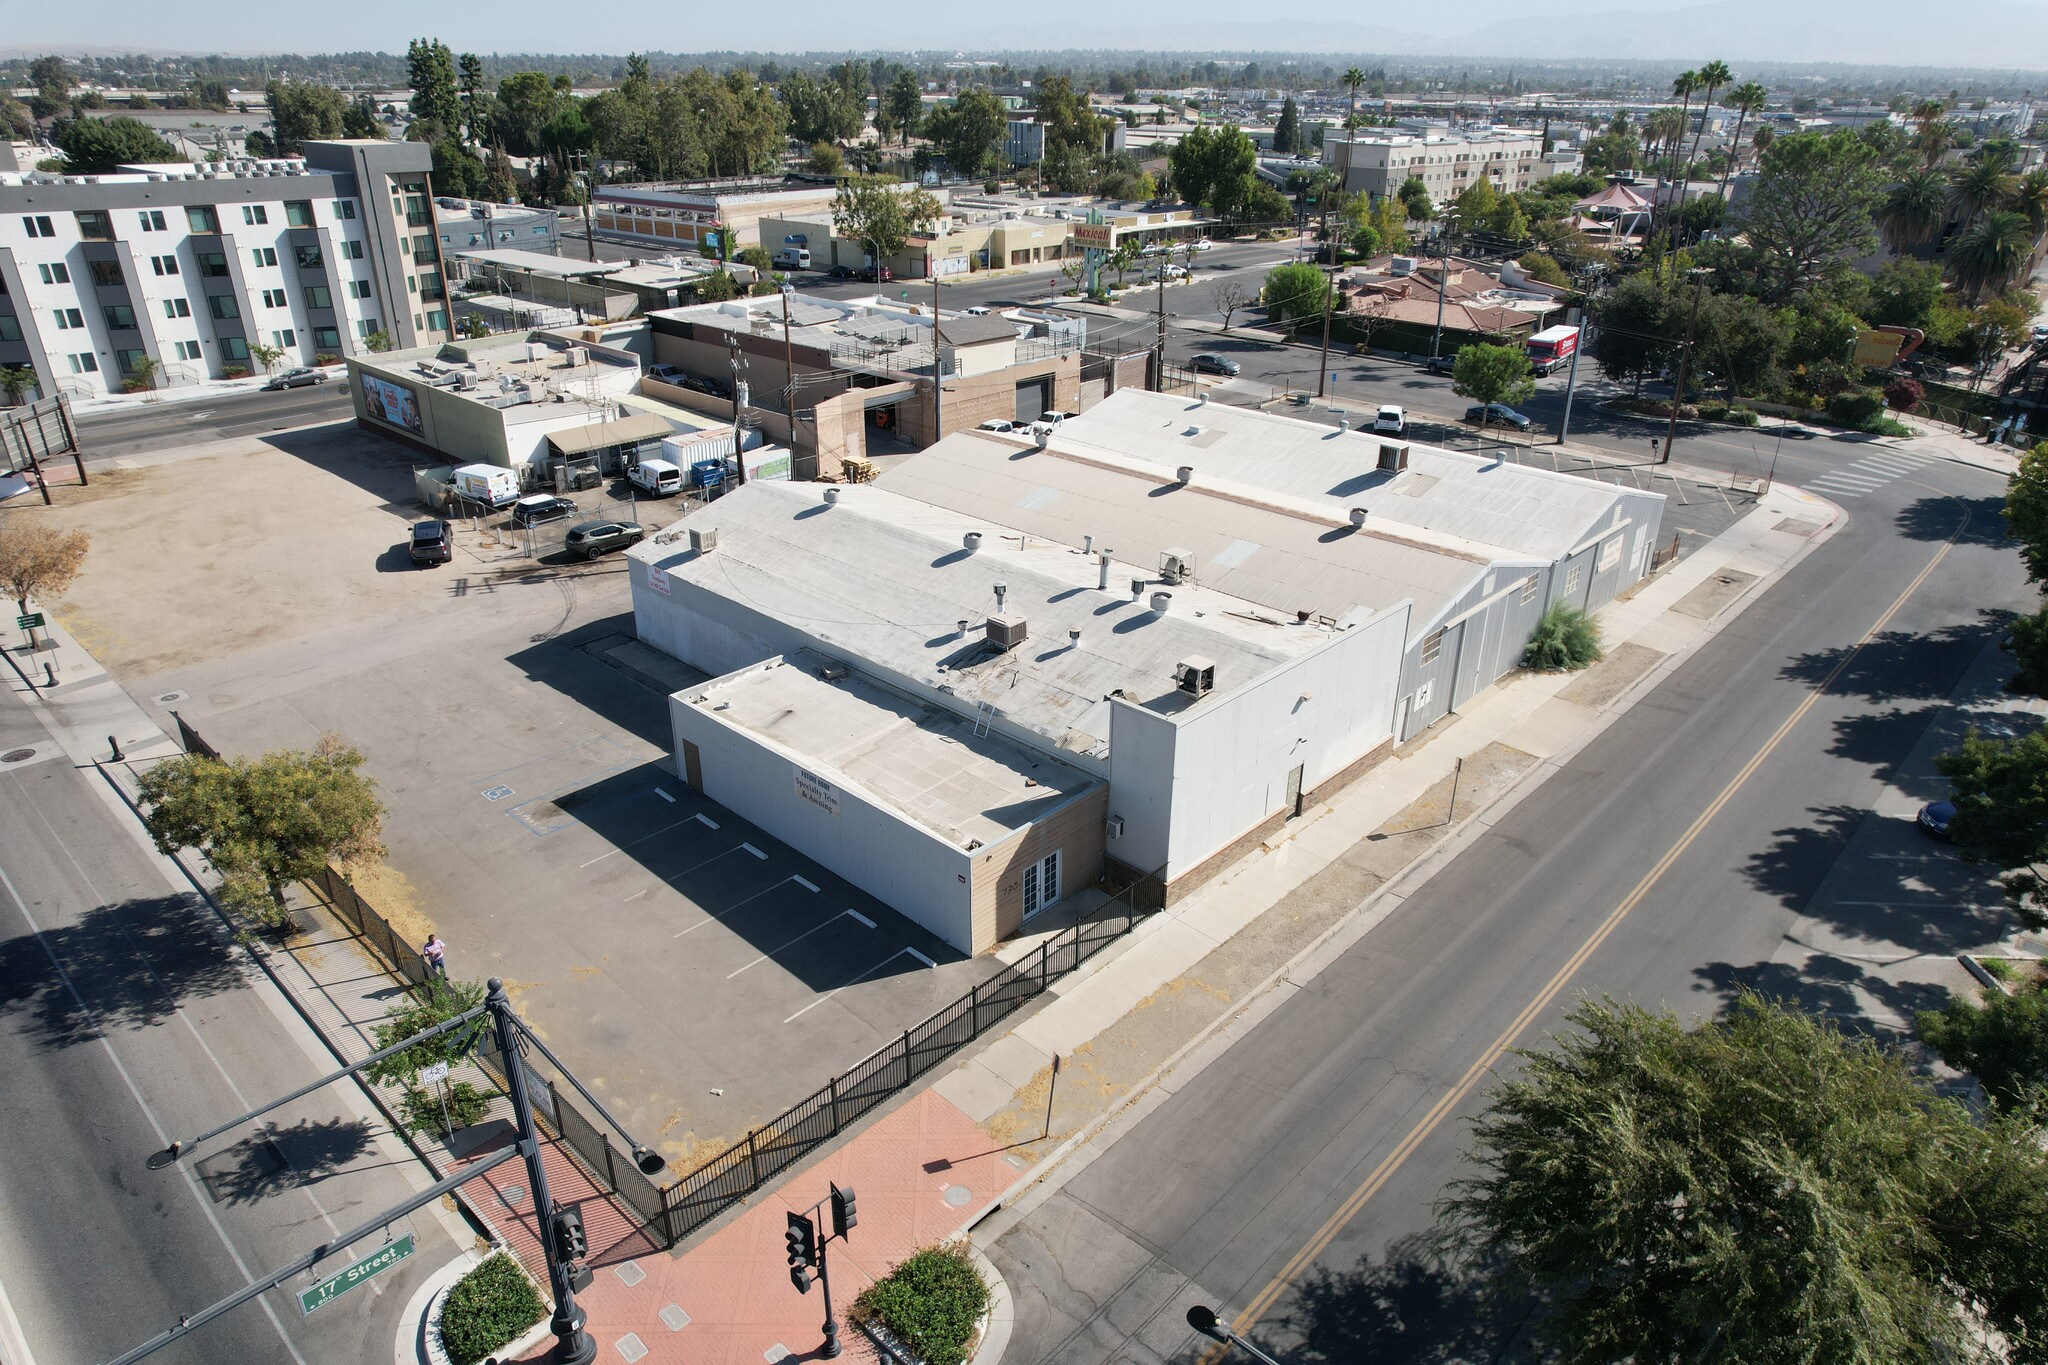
(1894, 29)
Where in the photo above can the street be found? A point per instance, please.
(145, 427)
(127, 1017)
(1748, 824)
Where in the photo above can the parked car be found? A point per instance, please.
(1209, 363)
(1201, 244)
(1440, 364)
(296, 379)
(867, 272)
(717, 388)
(536, 508)
(1174, 272)
(593, 538)
(977, 311)
(2040, 334)
(430, 544)
(997, 424)
(1390, 420)
(842, 272)
(1498, 413)
(668, 374)
(1936, 816)
(657, 478)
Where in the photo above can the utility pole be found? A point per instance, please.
(1329, 306)
(1443, 283)
(938, 363)
(1684, 364)
(739, 402)
(788, 367)
(1159, 346)
(1571, 379)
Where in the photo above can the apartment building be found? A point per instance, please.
(182, 270)
(1377, 161)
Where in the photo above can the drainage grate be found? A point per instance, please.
(17, 755)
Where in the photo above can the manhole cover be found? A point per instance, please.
(958, 1195)
(17, 755)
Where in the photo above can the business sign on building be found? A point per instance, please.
(1877, 350)
(1097, 236)
(657, 579)
(817, 791)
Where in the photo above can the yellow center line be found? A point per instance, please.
(1452, 1098)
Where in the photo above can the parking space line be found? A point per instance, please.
(755, 851)
(694, 866)
(798, 939)
(664, 796)
(643, 839)
(862, 918)
(858, 979)
(700, 815)
(804, 883)
(714, 919)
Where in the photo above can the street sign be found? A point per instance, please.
(333, 1287)
(430, 1075)
(30, 621)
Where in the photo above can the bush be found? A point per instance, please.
(930, 1303)
(1886, 426)
(490, 1306)
(1565, 639)
(1855, 408)
(1904, 393)
(233, 371)
(421, 1109)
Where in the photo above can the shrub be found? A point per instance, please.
(464, 1105)
(490, 1306)
(930, 1302)
(1886, 426)
(1904, 393)
(1855, 407)
(233, 371)
(1565, 639)
(1743, 417)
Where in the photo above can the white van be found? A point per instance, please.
(656, 478)
(793, 258)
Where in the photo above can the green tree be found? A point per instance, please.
(359, 119)
(15, 382)
(2000, 790)
(1991, 253)
(1214, 166)
(1713, 76)
(1741, 345)
(1980, 185)
(526, 101)
(2029, 199)
(825, 159)
(1489, 374)
(1544, 269)
(822, 111)
(1390, 220)
(1353, 81)
(1415, 198)
(1759, 1188)
(969, 131)
(430, 71)
(1565, 639)
(301, 112)
(265, 823)
(869, 210)
(265, 355)
(94, 146)
(2003, 1041)
(1745, 99)
(1296, 293)
(441, 1001)
(1476, 203)
(716, 287)
(905, 105)
(1287, 129)
(1812, 208)
(50, 73)
(1906, 294)
(1914, 210)
(476, 98)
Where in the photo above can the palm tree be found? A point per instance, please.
(1991, 253)
(1683, 86)
(1745, 99)
(1714, 75)
(1914, 210)
(1932, 136)
(1354, 80)
(1979, 185)
(2030, 200)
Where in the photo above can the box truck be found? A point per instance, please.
(1551, 349)
(488, 484)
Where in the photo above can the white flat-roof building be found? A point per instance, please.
(1377, 162)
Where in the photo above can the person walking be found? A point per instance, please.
(435, 955)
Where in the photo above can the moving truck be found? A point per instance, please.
(488, 484)
(1551, 348)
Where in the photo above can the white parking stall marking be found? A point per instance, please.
(755, 851)
(805, 883)
(800, 938)
(694, 866)
(641, 840)
(708, 821)
(922, 958)
(858, 979)
(714, 919)
(664, 796)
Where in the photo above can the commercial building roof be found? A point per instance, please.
(967, 331)
(641, 426)
(888, 579)
(924, 762)
(1290, 558)
(540, 263)
(1476, 501)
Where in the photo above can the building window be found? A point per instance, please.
(185, 350)
(345, 209)
(360, 288)
(366, 328)
(177, 308)
(437, 319)
(95, 225)
(275, 298)
(223, 306)
(1571, 579)
(55, 273)
(10, 327)
(318, 297)
(1610, 553)
(310, 258)
(38, 225)
(234, 348)
(202, 218)
(254, 214)
(298, 213)
(83, 363)
(68, 318)
(263, 255)
(326, 338)
(120, 317)
(164, 265)
(352, 249)
(213, 265)
(541, 231)
(1529, 586)
(106, 273)
(130, 361)
(284, 339)
(152, 220)
(1432, 645)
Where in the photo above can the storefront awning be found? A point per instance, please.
(641, 426)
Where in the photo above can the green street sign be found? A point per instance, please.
(333, 1287)
(30, 621)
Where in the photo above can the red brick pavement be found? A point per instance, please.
(920, 1174)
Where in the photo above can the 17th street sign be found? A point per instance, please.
(335, 1286)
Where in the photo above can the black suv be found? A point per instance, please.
(430, 543)
(717, 388)
(593, 538)
(540, 507)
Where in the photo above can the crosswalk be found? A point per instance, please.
(1868, 474)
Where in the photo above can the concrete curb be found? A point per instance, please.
(1188, 1061)
(410, 1346)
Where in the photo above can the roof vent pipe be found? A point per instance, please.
(1102, 579)
(1002, 591)
(1186, 474)
(962, 623)
(1161, 601)
(1087, 545)
(1043, 435)
(1343, 422)
(1073, 637)
(1202, 399)
(1137, 588)
(971, 542)
(1358, 518)
(831, 495)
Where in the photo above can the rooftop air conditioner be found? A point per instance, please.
(1176, 566)
(1393, 458)
(1401, 265)
(1195, 676)
(832, 672)
(1006, 632)
(577, 356)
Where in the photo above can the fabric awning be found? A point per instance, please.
(641, 426)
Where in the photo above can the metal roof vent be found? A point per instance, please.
(1161, 602)
(1343, 422)
(1002, 591)
(1195, 675)
(1185, 474)
(1176, 565)
(971, 542)
(1005, 632)
(831, 496)
(1358, 518)
(1202, 399)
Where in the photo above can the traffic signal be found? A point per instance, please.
(802, 1238)
(844, 1216)
(570, 1243)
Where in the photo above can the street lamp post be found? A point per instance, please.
(1203, 1319)
(1443, 282)
(1684, 362)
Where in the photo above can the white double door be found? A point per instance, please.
(1041, 883)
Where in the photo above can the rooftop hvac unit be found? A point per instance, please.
(465, 381)
(1115, 827)
(536, 350)
(577, 356)
(1195, 676)
(832, 672)
(1393, 458)
(1176, 566)
(703, 539)
(1401, 265)
(1006, 632)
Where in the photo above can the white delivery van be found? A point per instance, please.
(793, 258)
(488, 484)
(656, 478)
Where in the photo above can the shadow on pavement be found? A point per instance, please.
(1418, 1304)
(303, 1154)
(1826, 985)
(1936, 519)
(1899, 665)
(135, 963)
